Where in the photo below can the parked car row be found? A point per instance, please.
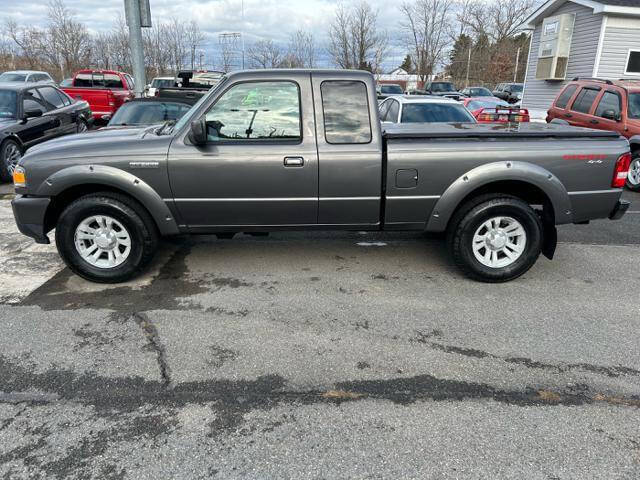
(31, 113)
(509, 92)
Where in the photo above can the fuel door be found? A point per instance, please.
(406, 178)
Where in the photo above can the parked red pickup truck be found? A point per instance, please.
(104, 90)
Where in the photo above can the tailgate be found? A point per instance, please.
(98, 98)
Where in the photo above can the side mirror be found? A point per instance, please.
(32, 113)
(611, 115)
(198, 132)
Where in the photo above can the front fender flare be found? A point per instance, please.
(496, 172)
(115, 178)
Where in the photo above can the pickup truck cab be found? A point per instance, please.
(304, 149)
(104, 90)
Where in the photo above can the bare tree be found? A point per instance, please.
(302, 50)
(426, 28)
(194, 39)
(156, 46)
(356, 40)
(68, 43)
(264, 54)
(498, 19)
(27, 39)
(176, 43)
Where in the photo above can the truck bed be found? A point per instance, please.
(470, 130)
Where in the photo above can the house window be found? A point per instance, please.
(633, 63)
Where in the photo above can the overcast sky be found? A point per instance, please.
(275, 19)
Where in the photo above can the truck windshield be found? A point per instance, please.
(634, 105)
(12, 77)
(442, 87)
(391, 89)
(435, 113)
(516, 88)
(8, 104)
(148, 113)
(162, 83)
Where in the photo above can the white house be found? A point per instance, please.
(580, 38)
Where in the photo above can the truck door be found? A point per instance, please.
(349, 150)
(260, 165)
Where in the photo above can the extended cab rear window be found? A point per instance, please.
(584, 100)
(346, 112)
(565, 96)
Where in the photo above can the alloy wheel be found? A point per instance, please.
(102, 241)
(634, 172)
(499, 242)
(12, 156)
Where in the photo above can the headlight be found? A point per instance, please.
(19, 177)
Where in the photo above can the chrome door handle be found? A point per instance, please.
(293, 161)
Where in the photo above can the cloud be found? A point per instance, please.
(263, 19)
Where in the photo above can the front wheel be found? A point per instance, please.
(10, 154)
(495, 238)
(633, 177)
(106, 237)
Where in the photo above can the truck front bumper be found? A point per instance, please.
(29, 213)
(619, 210)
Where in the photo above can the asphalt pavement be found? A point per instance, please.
(323, 355)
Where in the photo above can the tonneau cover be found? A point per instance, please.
(488, 130)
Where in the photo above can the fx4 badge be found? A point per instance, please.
(591, 157)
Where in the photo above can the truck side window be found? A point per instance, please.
(565, 96)
(83, 80)
(584, 100)
(256, 111)
(609, 101)
(346, 112)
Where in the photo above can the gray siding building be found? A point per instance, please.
(580, 38)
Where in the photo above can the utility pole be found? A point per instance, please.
(466, 83)
(138, 15)
(515, 70)
(242, 33)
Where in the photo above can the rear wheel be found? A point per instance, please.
(10, 155)
(82, 126)
(495, 238)
(106, 237)
(633, 178)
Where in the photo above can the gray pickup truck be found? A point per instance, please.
(299, 149)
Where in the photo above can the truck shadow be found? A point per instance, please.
(188, 266)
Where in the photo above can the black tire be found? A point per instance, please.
(631, 186)
(6, 172)
(137, 221)
(472, 215)
(82, 126)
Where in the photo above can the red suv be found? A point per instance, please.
(604, 105)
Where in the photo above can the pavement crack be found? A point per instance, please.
(9, 421)
(153, 341)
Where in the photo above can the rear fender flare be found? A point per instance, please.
(634, 142)
(496, 172)
(114, 178)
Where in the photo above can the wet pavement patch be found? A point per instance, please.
(611, 371)
(169, 290)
